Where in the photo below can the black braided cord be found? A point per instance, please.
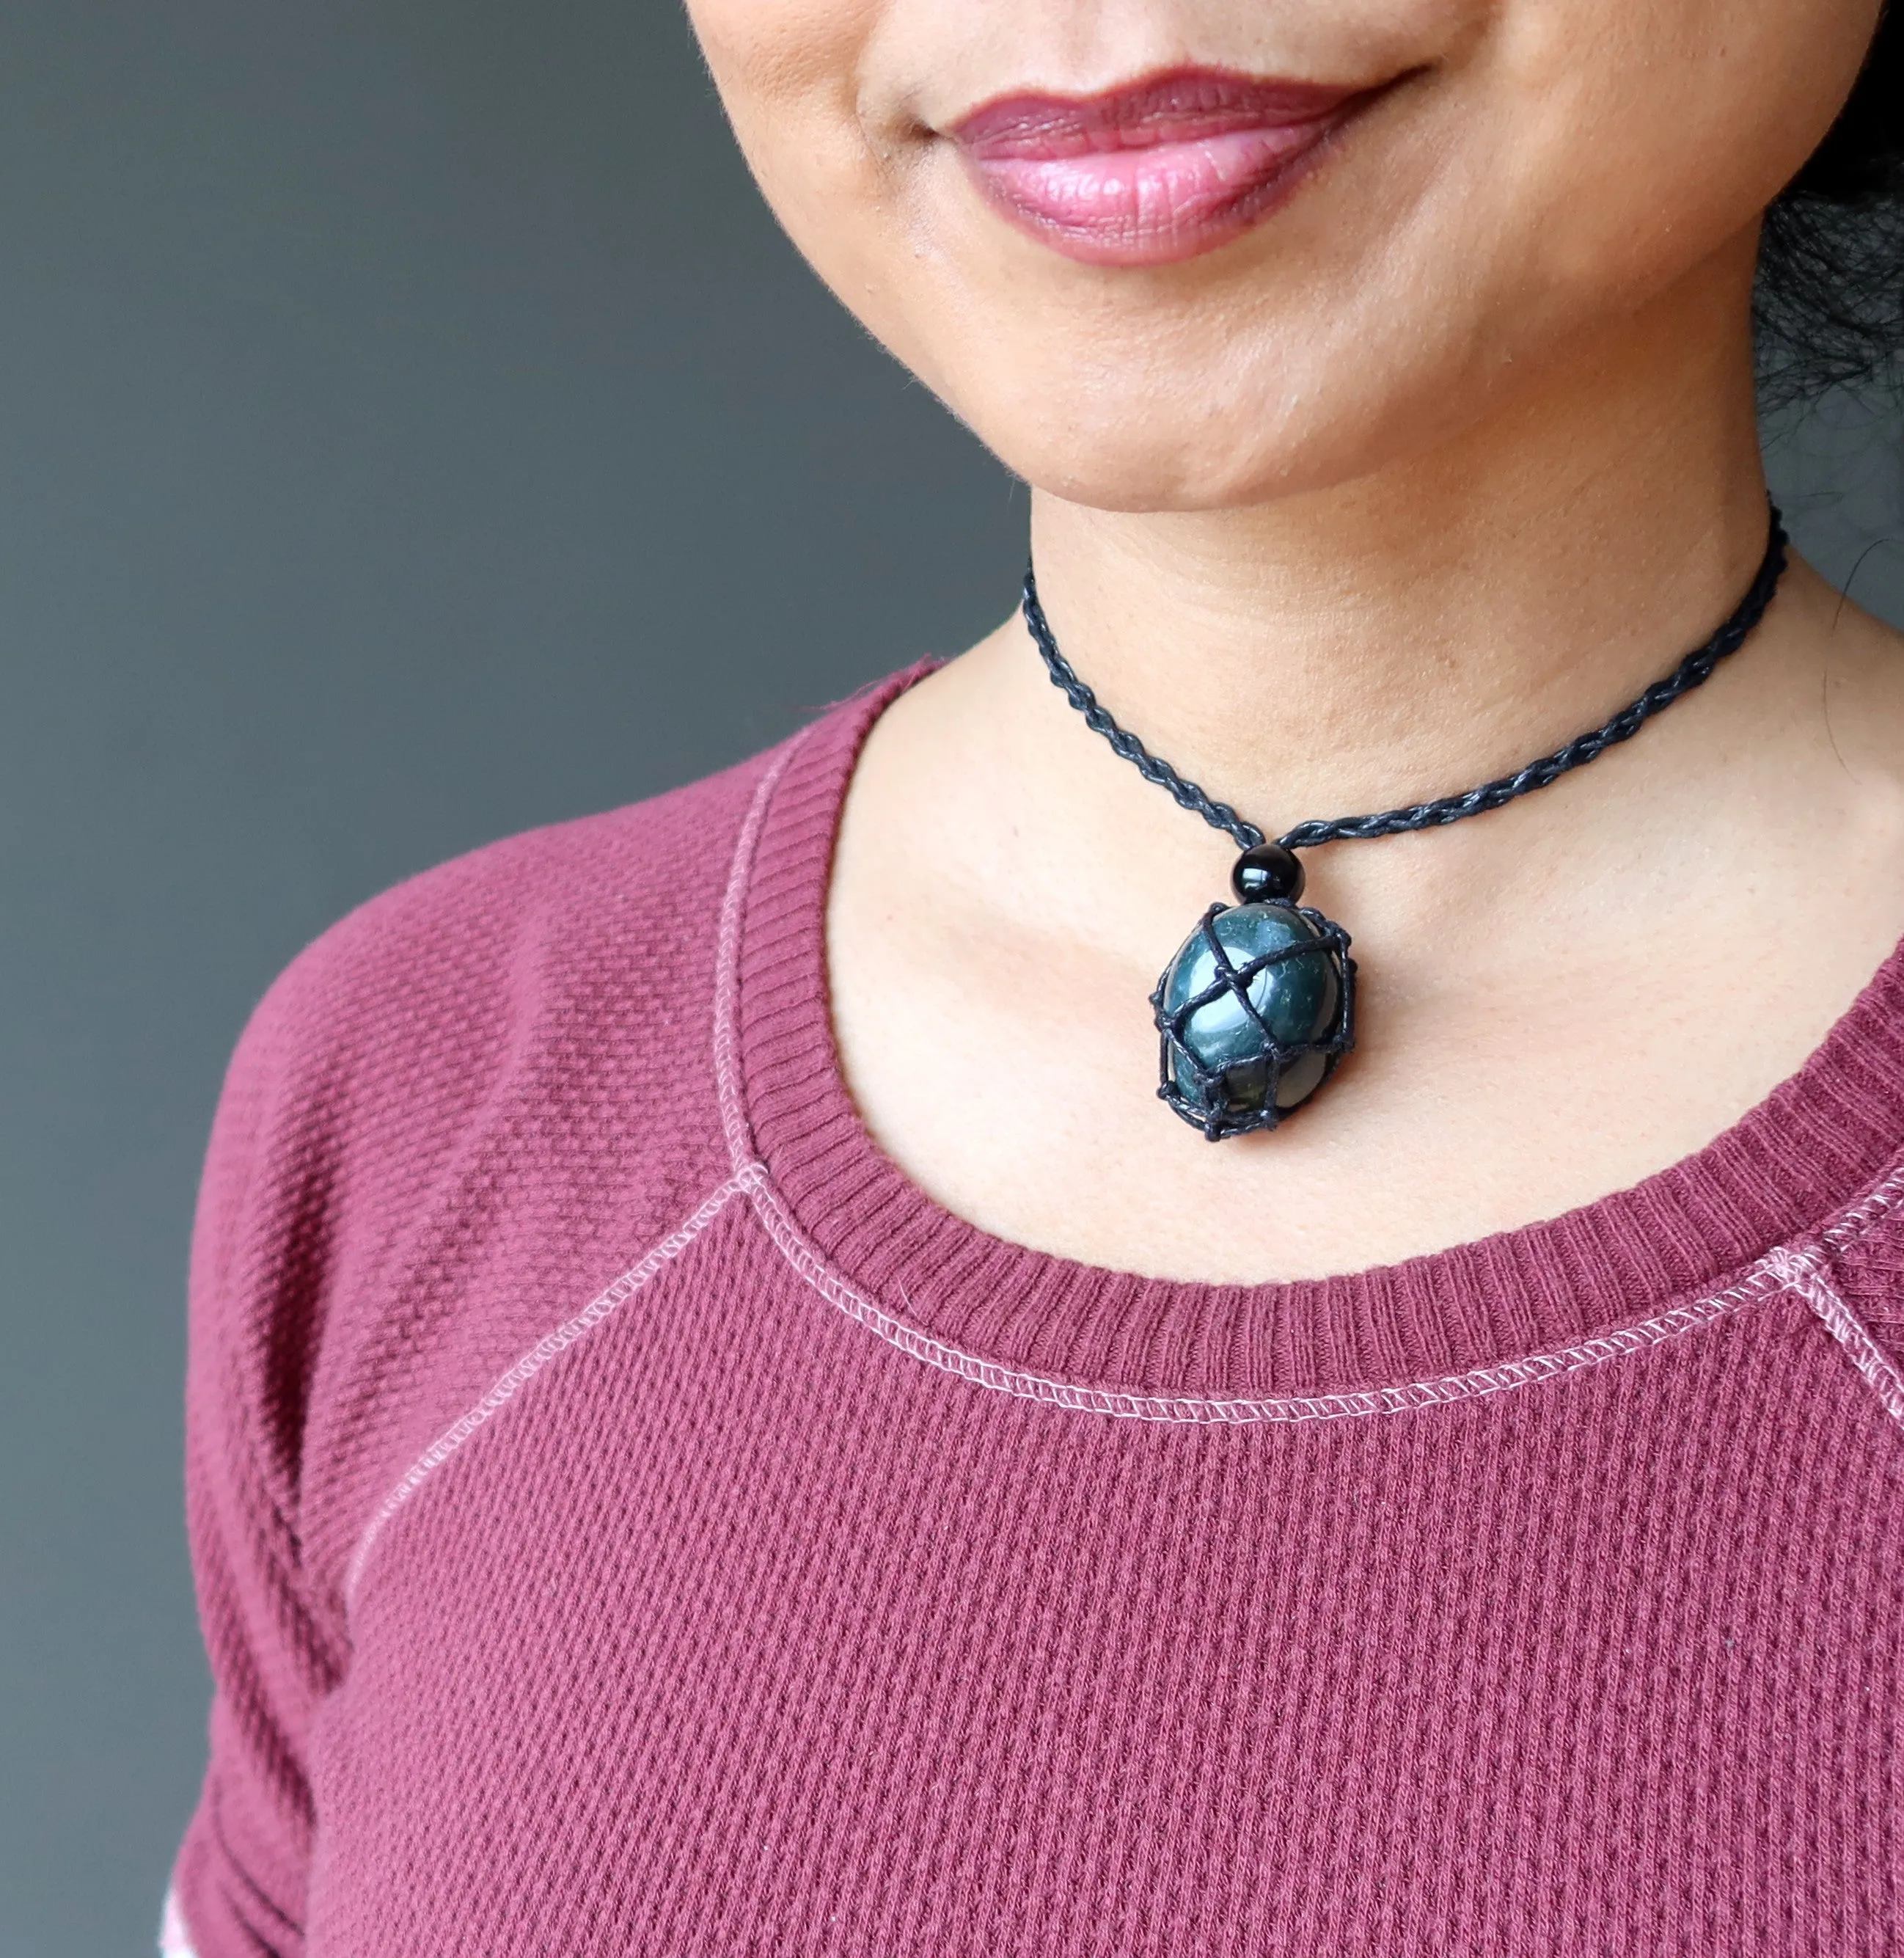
(1694, 670)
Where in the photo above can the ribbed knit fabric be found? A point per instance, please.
(630, 1518)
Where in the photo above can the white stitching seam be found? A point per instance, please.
(727, 953)
(1436, 1392)
(1802, 1271)
(539, 1356)
(1844, 1231)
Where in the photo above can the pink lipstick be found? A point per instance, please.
(1163, 170)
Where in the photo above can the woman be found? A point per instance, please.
(729, 1415)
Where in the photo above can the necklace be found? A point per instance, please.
(1257, 1009)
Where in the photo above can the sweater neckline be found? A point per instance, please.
(1818, 1142)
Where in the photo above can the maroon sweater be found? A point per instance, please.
(631, 1518)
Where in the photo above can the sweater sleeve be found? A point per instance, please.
(257, 1297)
(374, 1109)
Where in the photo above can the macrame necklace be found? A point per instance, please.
(1257, 1009)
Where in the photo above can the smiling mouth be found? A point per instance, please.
(1163, 170)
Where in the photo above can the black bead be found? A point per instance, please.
(1267, 874)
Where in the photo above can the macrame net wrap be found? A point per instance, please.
(1241, 1097)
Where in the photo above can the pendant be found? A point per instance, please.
(1258, 1007)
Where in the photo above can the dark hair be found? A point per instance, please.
(1830, 305)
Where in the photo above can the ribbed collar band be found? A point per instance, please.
(1804, 1154)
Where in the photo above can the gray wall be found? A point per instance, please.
(380, 387)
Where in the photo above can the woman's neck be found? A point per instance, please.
(1417, 630)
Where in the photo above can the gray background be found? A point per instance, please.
(412, 428)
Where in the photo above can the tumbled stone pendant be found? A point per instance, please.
(1258, 1006)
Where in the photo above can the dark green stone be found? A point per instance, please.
(1297, 997)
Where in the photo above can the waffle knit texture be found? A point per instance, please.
(631, 1518)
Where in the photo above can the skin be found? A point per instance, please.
(1435, 467)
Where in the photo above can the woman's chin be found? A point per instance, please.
(1123, 450)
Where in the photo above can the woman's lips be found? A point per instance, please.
(1164, 169)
